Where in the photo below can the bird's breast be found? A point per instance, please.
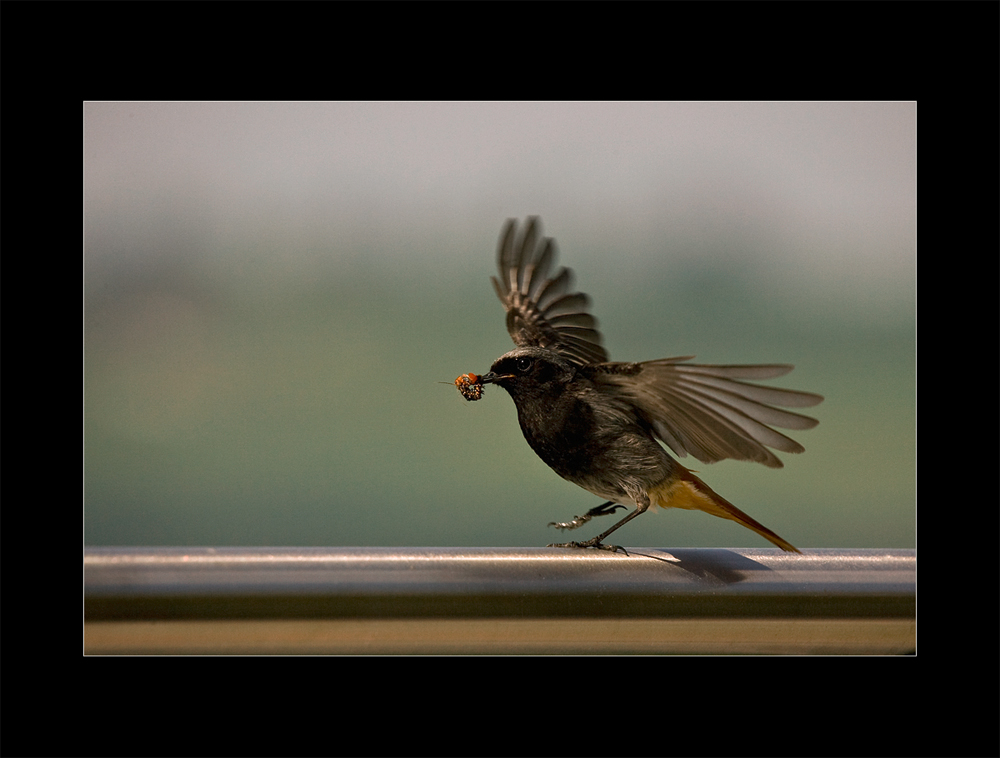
(594, 444)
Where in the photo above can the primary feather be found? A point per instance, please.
(541, 311)
(704, 411)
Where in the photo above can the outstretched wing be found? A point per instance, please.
(707, 412)
(541, 310)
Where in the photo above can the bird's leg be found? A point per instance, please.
(597, 542)
(578, 521)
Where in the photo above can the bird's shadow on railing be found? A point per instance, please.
(717, 565)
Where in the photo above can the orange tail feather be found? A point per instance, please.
(691, 493)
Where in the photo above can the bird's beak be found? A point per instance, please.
(492, 378)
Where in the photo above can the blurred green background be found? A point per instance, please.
(273, 292)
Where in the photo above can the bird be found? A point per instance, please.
(600, 424)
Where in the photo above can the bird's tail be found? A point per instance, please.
(689, 492)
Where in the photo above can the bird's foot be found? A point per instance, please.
(578, 521)
(594, 543)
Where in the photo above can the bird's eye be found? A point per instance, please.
(523, 364)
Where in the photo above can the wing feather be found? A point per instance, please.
(706, 412)
(541, 310)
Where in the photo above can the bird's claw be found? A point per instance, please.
(594, 543)
(578, 521)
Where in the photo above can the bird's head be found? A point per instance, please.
(530, 372)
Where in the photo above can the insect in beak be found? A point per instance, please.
(470, 385)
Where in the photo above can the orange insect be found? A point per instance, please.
(470, 385)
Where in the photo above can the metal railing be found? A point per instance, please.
(498, 601)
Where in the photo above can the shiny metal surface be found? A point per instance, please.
(443, 599)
